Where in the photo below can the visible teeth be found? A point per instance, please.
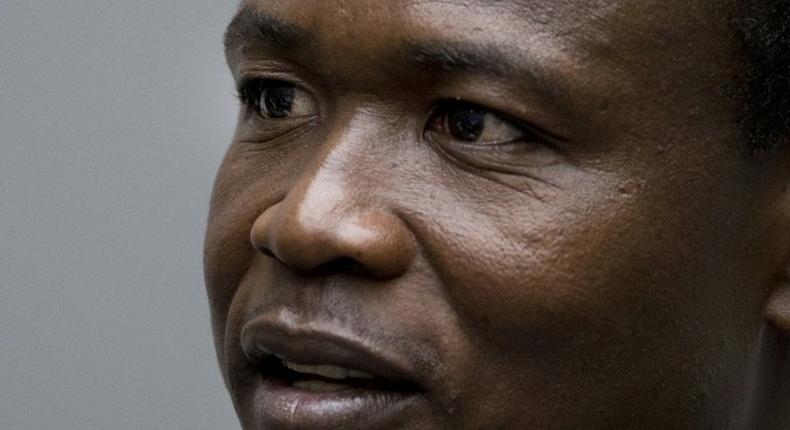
(319, 386)
(327, 371)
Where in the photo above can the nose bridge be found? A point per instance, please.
(331, 214)
(332, 183)
(318, 197)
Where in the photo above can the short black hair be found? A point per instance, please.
(763, 28)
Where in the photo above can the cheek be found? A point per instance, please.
(603, 294)
(226, 255)
(240, 195)
(252, 178)
(572, 270)
(534, 271)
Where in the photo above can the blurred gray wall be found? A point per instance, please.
(114, 115)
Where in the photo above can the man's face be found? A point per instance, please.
(512, 214)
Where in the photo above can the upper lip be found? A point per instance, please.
(262, 338)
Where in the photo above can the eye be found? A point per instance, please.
(273, 99)
(472, 123)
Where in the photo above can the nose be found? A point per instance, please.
(322, 225)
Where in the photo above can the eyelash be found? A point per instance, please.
(529, 133)
(248, 92)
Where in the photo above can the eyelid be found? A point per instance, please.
(249, 89)
(442, 107)
(268, 70)
(277, 71)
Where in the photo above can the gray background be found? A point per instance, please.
(114, 115)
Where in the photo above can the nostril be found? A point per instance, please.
(373, 244)
(260, 245)
(267, 252)
(346, 265)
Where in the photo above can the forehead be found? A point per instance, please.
(343, 19)
(573, 51)
(369, 31)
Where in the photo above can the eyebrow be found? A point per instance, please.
(250, 25)
(451, 56)
(434, 56)
(504, 62)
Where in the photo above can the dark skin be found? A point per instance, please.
(538, 213)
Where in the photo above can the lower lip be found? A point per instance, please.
(278, 405)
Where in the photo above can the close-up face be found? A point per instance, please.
(490, 215)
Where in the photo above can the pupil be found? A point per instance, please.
(467, 123)
(278, 100)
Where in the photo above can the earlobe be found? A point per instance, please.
(777, 309)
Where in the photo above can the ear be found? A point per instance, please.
(777, 309)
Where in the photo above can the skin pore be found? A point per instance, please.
(526, 214)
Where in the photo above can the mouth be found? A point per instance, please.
(309, 378)
(325, 378)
